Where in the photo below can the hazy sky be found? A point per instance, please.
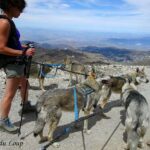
(91, 15)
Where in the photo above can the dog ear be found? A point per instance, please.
(137, 69)
(142, 69)
(93, 70)
(128, 80)
(104, 81)
(65, 59)
(110, 76)
(92, 75)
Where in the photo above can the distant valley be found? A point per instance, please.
(91, 54)
(115, 47)
(65, 39)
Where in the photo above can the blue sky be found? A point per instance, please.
(90, 15)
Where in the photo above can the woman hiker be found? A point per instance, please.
(10, 46)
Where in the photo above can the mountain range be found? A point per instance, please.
(75, 39)
(118, 47)
(89, 54)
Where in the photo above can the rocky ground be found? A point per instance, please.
(103, 134)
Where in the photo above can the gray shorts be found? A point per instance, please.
(14, 70)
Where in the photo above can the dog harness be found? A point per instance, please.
(76, 111)
(86, 90)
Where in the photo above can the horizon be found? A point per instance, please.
(124, 16)
(87, 38)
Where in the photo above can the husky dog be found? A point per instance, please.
(43, 70)
(52, 102)
(137, 115)
(116, 82)
(69, 65)
(75, 68)
(39, 71)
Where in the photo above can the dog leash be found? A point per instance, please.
(111, 135)
(76, 111)
(63, 69)
(60, 66)
(48, 75)
(48, 65)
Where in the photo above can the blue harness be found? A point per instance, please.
(86, 92)
(53, 66)
(76, 111)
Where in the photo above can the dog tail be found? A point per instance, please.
(138, 130)
(133, 140)
(40, 123)
(132, 126)
(39, 126)
(143, 125)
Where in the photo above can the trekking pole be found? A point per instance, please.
(27, 74)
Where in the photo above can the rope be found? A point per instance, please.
(111, 136)
(49, 65)
(61, 67)
(48, 75)
(83, 139)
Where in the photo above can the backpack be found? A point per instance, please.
(5, 59)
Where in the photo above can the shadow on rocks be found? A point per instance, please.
(111, 104)
(92, 121)
(29, 117)
(65, 130)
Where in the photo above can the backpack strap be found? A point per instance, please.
(13, 32)
(12, 25)
(12, 42)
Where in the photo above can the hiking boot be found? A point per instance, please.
(7, 126)
(28, 108)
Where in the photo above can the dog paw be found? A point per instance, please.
(141, 145)
(43, 139)
(125, 147)
(43, 90)
(56, 145)
(87, 131)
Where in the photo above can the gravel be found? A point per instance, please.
(102, 137)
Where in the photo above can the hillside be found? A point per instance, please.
(118, 54)
(91, 54)
(58, 55)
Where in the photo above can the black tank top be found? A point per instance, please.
(12, 39)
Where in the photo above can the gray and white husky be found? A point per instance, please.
(115, 83)
(52, 102)
(137, 115)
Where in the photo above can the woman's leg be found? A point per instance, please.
(10, 91)
(24, 97)
(24, 89)
(5, 105)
